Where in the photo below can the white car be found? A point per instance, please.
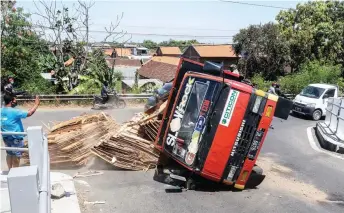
(312, 101)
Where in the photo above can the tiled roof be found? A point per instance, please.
(158, 70)
(170, 51)
(221, 51)
(123, 62)
(108, 52)
(123, 52)
(166, 59)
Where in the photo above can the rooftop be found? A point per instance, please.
(170, 50)
(158, 70)
(221, 51)
(166, 59)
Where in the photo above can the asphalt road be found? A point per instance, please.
(299, 179)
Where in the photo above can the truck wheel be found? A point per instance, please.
(316, 115)
(256, 178)
(190, 184)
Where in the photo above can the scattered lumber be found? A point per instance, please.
(69, 142)
(128, 146)
(132, 146)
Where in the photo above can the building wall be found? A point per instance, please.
(191, 53)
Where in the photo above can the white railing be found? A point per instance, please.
(332, 129)
(39, 157)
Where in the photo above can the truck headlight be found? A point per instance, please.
(257, 104)
(311, 105)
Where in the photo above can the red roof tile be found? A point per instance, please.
(123, 62)
(158, 70)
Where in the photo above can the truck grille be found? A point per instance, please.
(244, 140)
(299, 104)
(242, 145)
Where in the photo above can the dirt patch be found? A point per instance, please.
(280, 178)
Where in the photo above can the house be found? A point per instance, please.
(141, 53)
(122, 52)
(162, 68)
(168, 51)
(216, 53)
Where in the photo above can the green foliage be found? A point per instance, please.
(98, 69)
(39, 86)
(87, 85)
(182, 44)
(21, 50)
(311, 72)
(117, 75)
(150, 44)
(314, 31)
(263, 50)
(260, 82)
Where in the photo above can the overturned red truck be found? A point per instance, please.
(213, 127)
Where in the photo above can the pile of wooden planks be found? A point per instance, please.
(70, 142)
(128, 148)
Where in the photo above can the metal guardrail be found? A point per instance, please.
(39, 156)
(78, 97)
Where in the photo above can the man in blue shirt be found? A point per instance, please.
(11, 122)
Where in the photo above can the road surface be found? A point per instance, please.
(299, 178)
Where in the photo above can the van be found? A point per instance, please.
(312, 101)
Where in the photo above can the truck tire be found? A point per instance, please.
(316, 115)
(256, 178)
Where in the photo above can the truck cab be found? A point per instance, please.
(312, 100)
(214, 125)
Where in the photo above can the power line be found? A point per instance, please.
(176, 28)
(253, 4)
(148, 34)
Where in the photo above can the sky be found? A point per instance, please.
(212, 21)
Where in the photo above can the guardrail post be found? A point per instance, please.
(35, 139)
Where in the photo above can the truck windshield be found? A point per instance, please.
(312, 92)
(192, 111)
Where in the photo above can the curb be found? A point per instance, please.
(326, 142)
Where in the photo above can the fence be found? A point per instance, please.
(332, 129)
(78, 97)
(30, 184)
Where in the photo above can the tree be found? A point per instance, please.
(21, 49)
(263, 51)
(150, 44)
(182, 44)
(314, 31)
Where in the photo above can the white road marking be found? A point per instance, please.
(316, 148)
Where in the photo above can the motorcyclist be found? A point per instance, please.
(9, 90)
(105, 92)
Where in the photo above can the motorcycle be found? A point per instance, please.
(113, 102)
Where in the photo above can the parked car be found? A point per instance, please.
(312, 101)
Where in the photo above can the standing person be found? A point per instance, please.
(233, 69)
(11, 122)
(272, 89)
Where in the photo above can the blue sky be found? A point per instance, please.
(191, 18)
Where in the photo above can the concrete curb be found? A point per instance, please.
(327, 142)
(68, 203)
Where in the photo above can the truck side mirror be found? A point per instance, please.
(325, 96)
(213, 68)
